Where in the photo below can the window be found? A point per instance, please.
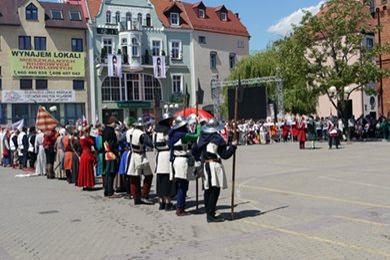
(107, 45)
(177, 84)
(41, 84)
(75, 16)
(40, 43)
(133, 86)
(140, 19)
(156, 48)
(201, 13)
(108, 17)
(56, 15)
(213, 60)
(128, 21)
(135, 47)
(148, 21)
(175, 19)
(110, 89)
(369, 43)
(152, 88)
(31, 12)
(74, 112)
(223, 16)
(241, 44)
(78, 84)
(24, 43)
(176, 50)
(77, 45)
(202, 40)
(232, 60)
(117, 17)
(26, 84)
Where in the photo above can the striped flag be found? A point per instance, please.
(45, 121)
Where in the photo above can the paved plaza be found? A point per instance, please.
(291, 204)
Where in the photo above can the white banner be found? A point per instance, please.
(159, 67)
(18, 125)
(38, 96)
(114, 65)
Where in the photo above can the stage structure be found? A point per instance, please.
(217, 87)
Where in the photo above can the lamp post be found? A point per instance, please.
(378, 15)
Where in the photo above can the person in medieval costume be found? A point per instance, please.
(110, 142)
(32, 156)
(312, 132)
(211, 148)
(40, 166)
(68, 155)
(6, 148)
(49, 141)
(59, 150)
(23, 148)
(183, 164)
(76, 149)
(301, 128)
(13, 142)
(164, 186)
(86, 176)
(139, 164)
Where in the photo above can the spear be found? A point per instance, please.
(197, 177)
(235, 138)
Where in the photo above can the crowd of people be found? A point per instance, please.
(184, 149)
(302, 128)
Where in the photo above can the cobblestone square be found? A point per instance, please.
(291, 204)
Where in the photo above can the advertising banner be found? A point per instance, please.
(38, 96)
(29, 63)
(114, 65)
(159, 67)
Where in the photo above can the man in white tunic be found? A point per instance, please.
(40, 168)
(211, 148)
(139, 165)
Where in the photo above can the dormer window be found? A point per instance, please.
(117, 17)
(75, 16)
(201, 13)
(223, 16)
(175, 19)
(56, 15)
(31, 12)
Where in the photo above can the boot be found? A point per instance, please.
(181, 213)
(162, 206)
(169, 207)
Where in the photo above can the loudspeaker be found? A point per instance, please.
(253, 105)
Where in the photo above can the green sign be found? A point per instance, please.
(135, 104)
(29, 63)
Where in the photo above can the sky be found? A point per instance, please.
(266, 20)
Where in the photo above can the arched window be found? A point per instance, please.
(140, 18)
(148, 20)
(31, 12)
(128, 17)
(117, 17)
(108, 17)
(129, 21)
(152, 88)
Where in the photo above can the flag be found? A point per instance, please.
(45, 121)
(114, 65)
(18, 125)
(159, 68)
(199, 94)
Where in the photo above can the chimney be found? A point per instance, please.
(237, 15)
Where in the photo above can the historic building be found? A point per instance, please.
(42, 61)
(218, 40)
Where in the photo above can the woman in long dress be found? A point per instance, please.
(40, 167)
(60, 154)
(68, 156)
(86, 178)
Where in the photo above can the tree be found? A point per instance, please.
(337, 60)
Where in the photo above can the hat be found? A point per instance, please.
(140, 122)
(212, 126)
(165, 118)
(179, 122)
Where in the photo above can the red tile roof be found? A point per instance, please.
(94, 7)
(190, 19)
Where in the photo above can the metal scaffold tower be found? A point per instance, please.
(217, 86)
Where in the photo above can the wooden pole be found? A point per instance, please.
(234, 155)
(197, 177)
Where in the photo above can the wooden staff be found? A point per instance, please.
(235, 138)
(197, 177)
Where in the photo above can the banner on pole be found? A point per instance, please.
(159, 67)
(114, 65)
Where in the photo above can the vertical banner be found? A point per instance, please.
(159, 67)
(114, 65)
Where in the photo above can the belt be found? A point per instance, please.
(162, 149)
(214, 161)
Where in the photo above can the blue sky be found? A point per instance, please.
(260, 15)
(266, 20)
